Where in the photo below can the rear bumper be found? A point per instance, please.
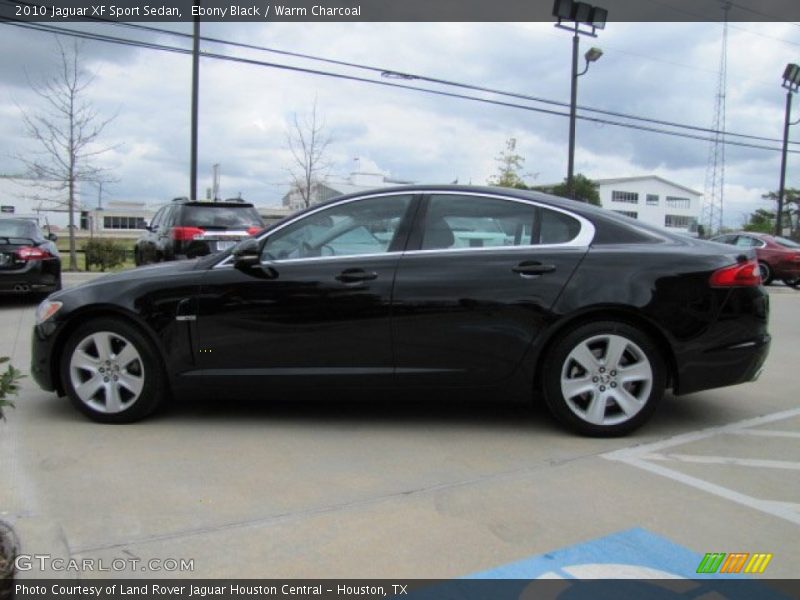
(36, 276)
(721, 367)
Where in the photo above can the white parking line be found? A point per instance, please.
(769, 433)
(726, 460)
(639, 457)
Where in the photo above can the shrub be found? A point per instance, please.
(9, 385)
(104, 253)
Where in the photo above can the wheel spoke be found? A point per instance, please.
(639, 371)
(584, 357)
(127, 356)
(627, 403)
(113, 399)
(81, 360)
(89, 388)
(596, 411)
(575, 387)
(614, 350)
(132, 383)
(102, 342)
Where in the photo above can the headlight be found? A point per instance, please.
(46, 310)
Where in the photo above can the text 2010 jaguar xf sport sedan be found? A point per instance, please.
(420, 287)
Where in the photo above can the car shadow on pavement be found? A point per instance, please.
(360, 408)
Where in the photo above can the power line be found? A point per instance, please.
(255, 62)
(439, 81)
(446, 82)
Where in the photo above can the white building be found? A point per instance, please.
(653, 200)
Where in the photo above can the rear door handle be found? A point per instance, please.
(533, 268)
(355, 275)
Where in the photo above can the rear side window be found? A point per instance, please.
(220, 217)
(454, 221)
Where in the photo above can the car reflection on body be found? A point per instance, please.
(420, 287)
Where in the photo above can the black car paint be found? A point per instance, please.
(258, 327)
(33, 276)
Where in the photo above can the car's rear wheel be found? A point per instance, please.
(604, 378)
(793, 283)
(111, 372)
(766, 273)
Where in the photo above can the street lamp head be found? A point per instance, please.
(580, 13)
(791, 77)
(593, 54)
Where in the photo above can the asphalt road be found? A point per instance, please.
(431, 488)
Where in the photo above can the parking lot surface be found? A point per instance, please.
(424, 488)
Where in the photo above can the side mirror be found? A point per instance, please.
(247, 253)
(52, 237)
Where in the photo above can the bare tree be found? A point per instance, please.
(67, 130)
(308, 143)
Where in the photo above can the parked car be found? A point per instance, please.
(29, 259)
(778, 257)
(188, 229)
(596, 313)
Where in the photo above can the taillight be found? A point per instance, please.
(253, 230)
(33, 253)
(183, 234)
(744, 274)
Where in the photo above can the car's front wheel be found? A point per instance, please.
(766, 273)
(111, 372)
(604, 378)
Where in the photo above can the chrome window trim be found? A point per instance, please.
(582, 241)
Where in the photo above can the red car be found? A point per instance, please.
(778, 258)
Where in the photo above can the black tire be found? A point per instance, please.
(793, 283)
(639, 353)
(146, 369)
(766, 273)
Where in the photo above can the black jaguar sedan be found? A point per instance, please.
(415, 288)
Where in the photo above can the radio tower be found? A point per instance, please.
(715, 171)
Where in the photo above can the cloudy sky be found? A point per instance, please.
(660, 70)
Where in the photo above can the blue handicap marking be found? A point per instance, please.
(632, 553)
(629, 565)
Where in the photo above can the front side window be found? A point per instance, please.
(366, 226)
(454, 221)
(745, 241)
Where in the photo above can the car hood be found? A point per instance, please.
(159, 271)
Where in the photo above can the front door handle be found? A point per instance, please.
(532, 268)
(356, 275)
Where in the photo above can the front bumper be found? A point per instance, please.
(42, 358)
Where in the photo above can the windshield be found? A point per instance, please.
(220, 217)
(17, 229)
(786, 243)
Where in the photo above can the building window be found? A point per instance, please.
(652, 199)
(629, 197)
(628, 213)
(6, 209)
(123, 222)
(681, 221)
(674, 202)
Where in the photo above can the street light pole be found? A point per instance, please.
(782, 188)
(591, 18)
(573, 105)
(791, 82)
(195, 99)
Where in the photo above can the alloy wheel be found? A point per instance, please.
(606, 379)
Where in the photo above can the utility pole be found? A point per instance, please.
(195, 97)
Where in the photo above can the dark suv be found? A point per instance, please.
(188, 229)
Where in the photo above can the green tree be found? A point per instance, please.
(509, 168)
(791, 210)
(586, 190)
(761, 221)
